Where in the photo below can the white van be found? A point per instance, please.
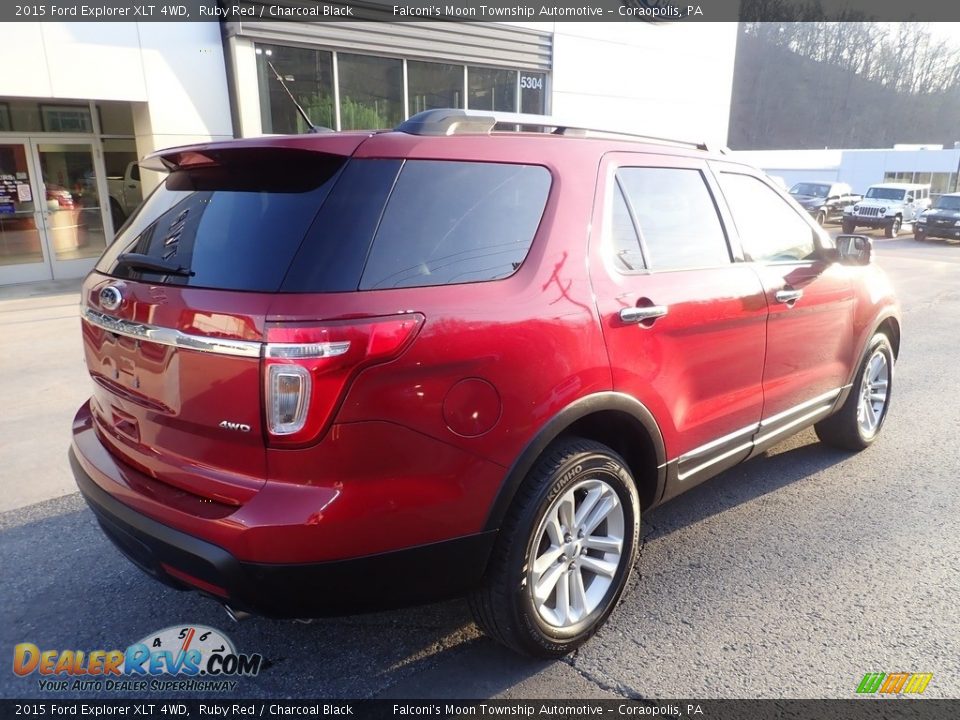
(887, 206)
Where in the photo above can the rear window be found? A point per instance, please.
(236, 226)
(456, 222)
(322, 224)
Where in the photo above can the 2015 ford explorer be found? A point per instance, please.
(347, 371)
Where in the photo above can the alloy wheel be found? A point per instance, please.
(577, 550)
(874, 391)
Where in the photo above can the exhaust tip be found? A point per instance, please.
(236, 615)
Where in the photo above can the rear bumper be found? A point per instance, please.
(409, 576)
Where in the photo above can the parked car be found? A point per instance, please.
(464, 373)
(125, 194)
(940, 221)
(825, 201)
(887, 206)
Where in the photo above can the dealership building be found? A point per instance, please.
(931, 165)
(80, 102)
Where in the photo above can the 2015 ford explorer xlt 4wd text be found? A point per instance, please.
(348, 371)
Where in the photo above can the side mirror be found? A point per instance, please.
(855, 249)
(909, 199)
(832, 198)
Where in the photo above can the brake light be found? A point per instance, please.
(307, 369)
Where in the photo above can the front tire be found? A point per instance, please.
(848, 227)
(919, 235)
(858, 423)
(564, 553)
(821, 218)
(893, 229)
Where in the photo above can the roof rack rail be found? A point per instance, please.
(454, 121)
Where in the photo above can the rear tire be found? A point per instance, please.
(859, 421)
(553, 579)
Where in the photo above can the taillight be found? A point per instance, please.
(307, 368)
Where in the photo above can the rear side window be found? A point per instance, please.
(235, 226)
(677, 218)
(456, 222)
(623, 233)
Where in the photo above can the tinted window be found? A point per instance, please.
(880, 193)
(679, 225)
(456, 222)
(331, 258)
(769, 228)
(949, 202)
(812, 189)
(235, 226)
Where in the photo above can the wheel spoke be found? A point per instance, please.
(871, 415)
(554, 531)
(603, 508)
(547, 582)
(543, 563)
(578, 595)
(604, 544)
(598, 566)
(589, 502)
(565, 511)
(879, 397)
(563, 598)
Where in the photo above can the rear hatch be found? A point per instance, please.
(174, 315)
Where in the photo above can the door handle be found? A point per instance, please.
(639, 314)
(788, 296)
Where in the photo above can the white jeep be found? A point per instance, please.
(887, 206)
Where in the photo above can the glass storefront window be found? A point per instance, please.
(309, 76)
(19, 214)
(938, 183)
(492, 89)
(66, 118)
(74, 220)
(116, 118)
(533, 93)
(30, 116)
(434, 85)
(371, 91)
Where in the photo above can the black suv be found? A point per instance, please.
(940, 221)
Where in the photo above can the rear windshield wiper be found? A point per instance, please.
(139, 261)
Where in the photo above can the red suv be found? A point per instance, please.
(347, 371)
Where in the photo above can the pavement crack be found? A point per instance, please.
(607, 685)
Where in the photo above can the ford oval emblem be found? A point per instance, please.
(110, 297)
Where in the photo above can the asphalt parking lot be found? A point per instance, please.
(789, 576)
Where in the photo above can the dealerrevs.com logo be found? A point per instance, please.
(178, 658)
